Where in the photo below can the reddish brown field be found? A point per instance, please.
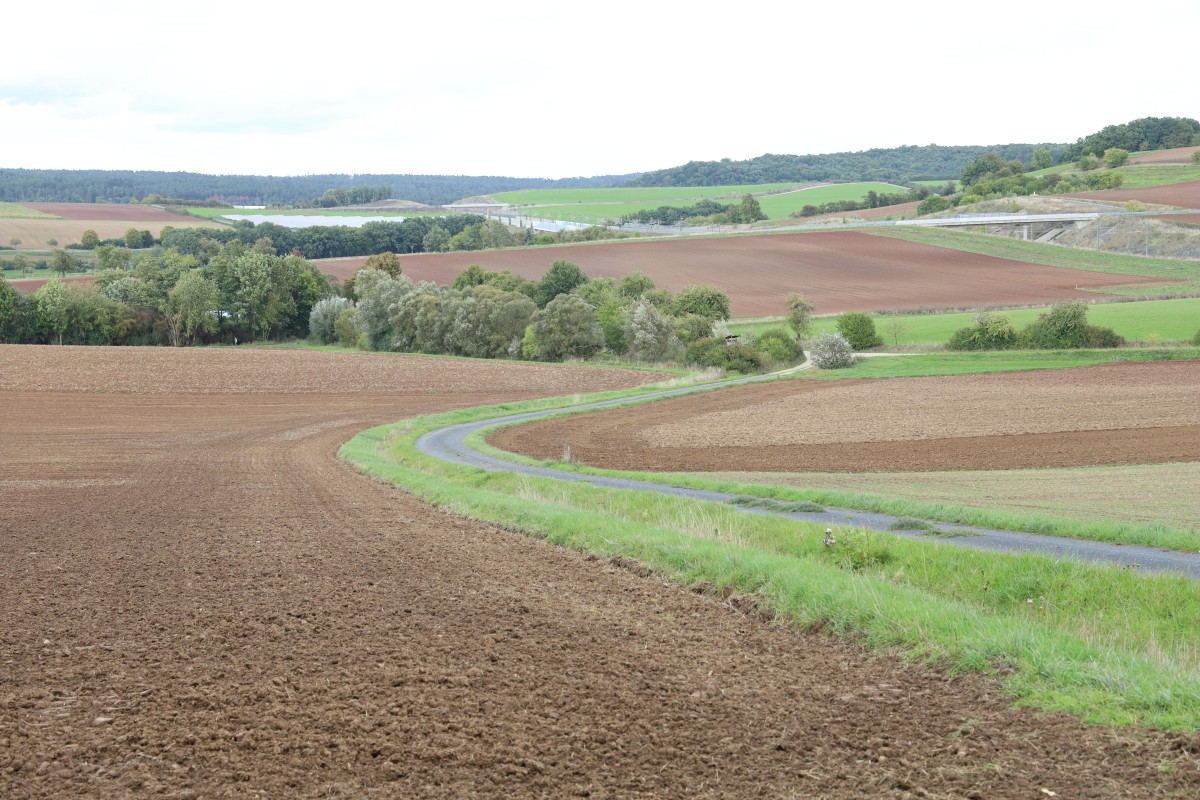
(1181, 195)
(199, 600)
(1113, 414)
(125, 212)
(837, 271)
(1180, 155)
(108, 220)
(31, 285)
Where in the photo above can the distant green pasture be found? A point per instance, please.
(217, 213)
(779, 206)
(1141, 321)
(937, 184)
(1146, 176)
(17, 211)
(654, 195)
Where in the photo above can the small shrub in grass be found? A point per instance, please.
(1196, 338)
(777, 347)
(859, 550)
(859, 330)
(713, 352)
(831, 351)
(990, 332)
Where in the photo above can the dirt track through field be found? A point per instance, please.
(837, 271)
(1113, 414)
(199, 600)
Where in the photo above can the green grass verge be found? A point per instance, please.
(652, 195)
(1109, 645)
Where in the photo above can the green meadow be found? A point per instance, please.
(1149, 321)
(656, 196)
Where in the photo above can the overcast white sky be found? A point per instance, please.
(556, 89)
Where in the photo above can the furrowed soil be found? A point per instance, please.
(198, 600)
(1179, 155)
(836, 271)
(1182, 195)
(108, 220)
(1131, 413)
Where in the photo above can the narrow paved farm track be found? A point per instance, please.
(197, 599)
(617, 442)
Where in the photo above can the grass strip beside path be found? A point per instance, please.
(1109, 645)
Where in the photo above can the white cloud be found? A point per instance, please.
(555, 89)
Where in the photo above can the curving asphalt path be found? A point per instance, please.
(449, 444)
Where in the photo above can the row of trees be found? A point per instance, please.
(166, 297)
(706, 212)
(1147, 133)
(487, 314)
(871, 199)
(126, 186)
(894, 165)
(1064, 327)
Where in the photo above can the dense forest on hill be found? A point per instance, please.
(1147, 133)
(895, 165)
(122, 186)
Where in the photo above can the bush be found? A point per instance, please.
(649, 334)
(705, 301)
(859, 330)
(990, 332)
(713, 352)
(323, 316)
(1196, 157)
(345, 327)
(1063, 328)
(777, 347)
(692, 327)
(831, 351)
(1104, 337)
(933, 204)
(565, 328)
(1115, 157)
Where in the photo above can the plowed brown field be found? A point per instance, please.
(1182, 195)
(129, 212)
(198, 600)
(108, 220)
(1179, 155)
(837, 271)
(1114, 414)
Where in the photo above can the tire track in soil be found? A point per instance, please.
(248, 615)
